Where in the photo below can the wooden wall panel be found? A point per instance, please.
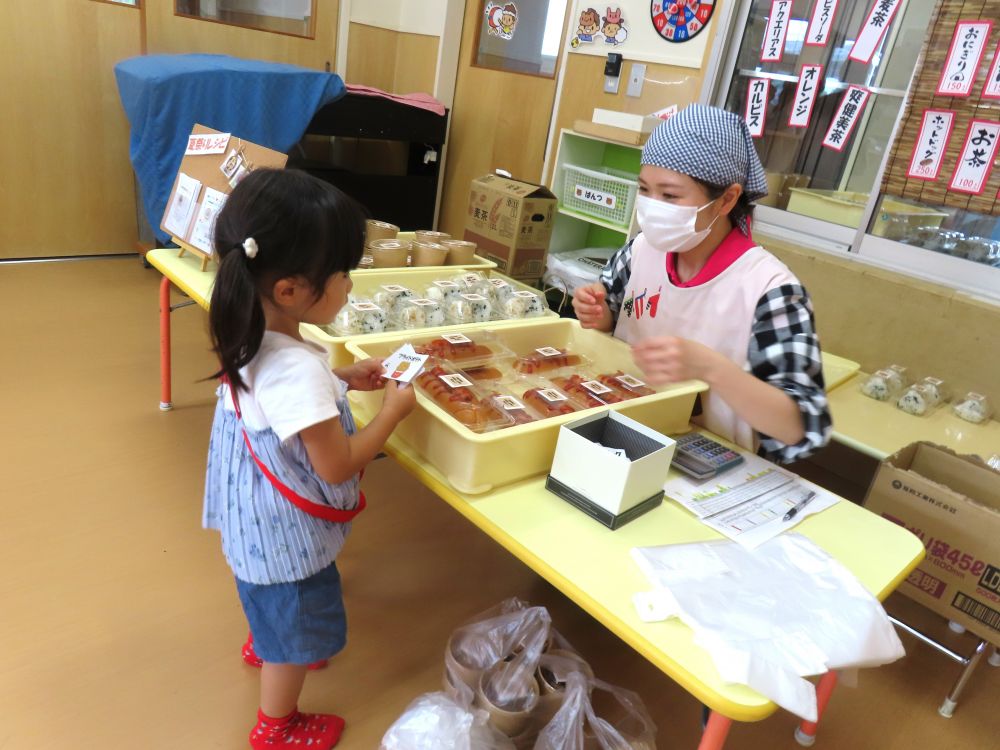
(878, 317)
(500, 120)
(391, 60)
(67, 186)
(168, 33)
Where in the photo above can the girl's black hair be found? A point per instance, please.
(743, 208)
(302, 226)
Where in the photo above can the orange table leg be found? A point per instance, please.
(716, 730)
(165, 403)
(805, 733)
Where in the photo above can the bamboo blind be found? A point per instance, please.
(923, 97)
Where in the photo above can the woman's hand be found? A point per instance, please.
(591, 307)
(365, 375)
(670, 359)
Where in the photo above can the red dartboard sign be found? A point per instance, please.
(681, 20)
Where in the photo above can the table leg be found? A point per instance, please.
(716, 730)
(165, 403)
(805, 733)
(947, 708)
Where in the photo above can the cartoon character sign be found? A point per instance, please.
(592, 28)
(501, 20)
(614, 29)
(590, 25)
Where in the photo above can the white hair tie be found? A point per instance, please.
(250, 247)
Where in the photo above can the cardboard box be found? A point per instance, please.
(611, 133)
(604, 485)
(952, 503)
(511, 222)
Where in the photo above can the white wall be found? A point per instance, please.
(426, 17)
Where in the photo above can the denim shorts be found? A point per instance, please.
(299, 622)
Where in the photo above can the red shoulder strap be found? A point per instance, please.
(304, 504)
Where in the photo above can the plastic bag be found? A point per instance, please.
(435, 722)
(771, 616)
(620, 722)
(498, 652)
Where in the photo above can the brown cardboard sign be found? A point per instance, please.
(952, 504)
(511, 222)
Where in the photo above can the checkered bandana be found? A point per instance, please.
(709, 144)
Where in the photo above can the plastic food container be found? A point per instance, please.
(388, 296)
(472, 349)
(460, 398)
(361, 316)
(886, 384)
(415, 312)
(475, 263)
(422, 283)
(548, 358)
(468, 308)
(474, 463)
(974, 408)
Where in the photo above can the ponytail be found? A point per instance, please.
(236, 317)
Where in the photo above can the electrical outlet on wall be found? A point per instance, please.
(636, 76)
(611, 84)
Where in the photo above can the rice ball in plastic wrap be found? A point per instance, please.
(914, 401)
(482, 310)
(443, 291)
(347, 322)
(973, 408)
(365, 317)
(420, 313)
(533, 304)
(458, 311)
(513, 308)
(502, 290)
(880, 386)
(389, 296)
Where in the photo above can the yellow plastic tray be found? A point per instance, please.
(414, 278)
(475, 464)
(837, 370)
(476, 264)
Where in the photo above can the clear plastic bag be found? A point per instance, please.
(436, 722)
(618, 722)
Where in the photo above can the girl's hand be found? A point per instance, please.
(365, 375)
(398, 400)
(591, 307)
(669, 360)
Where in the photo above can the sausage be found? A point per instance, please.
(535, 362)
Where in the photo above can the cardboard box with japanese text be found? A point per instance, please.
(952, 503)
(511, 222)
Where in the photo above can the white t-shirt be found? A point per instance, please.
(291, 387)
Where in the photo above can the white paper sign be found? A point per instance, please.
(992, 88)
(805, 96)
(758, 92)
(777, 28)
(876, 25)
(404, 364)
(976, 160)
(928, 152)
(848, 114)
(598, 198)
(966, 52)
(182, 206)
(207, 143)
(821, 22)
(204, 224)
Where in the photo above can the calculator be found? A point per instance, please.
(702, 457)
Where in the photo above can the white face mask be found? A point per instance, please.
(670, 228)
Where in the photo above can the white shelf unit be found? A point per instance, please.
(573, 230)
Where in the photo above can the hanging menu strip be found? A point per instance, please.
(992, 88)
(848, 114)
(876, 24)
(805, 96)
(976, 160)
(962, 64)
(928, 152)
(821, 23)
(777, 28)
(758, 92)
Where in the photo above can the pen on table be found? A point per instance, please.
(799, 506)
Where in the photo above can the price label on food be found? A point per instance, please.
(474, 297)
(455, 381)
(456, 338)
(548, 351)
(551, 394)
(424, 302)
(598, 389)
(509, 403)
(446, 284)
(395, 288)
(630, 381)
(365, 307)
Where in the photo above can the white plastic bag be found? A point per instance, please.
(435, 722)
(769, 616)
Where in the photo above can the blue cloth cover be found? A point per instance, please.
(267, 103)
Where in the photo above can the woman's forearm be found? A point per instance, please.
(765, 407)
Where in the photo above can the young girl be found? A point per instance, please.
(284, 456)
(698, 298)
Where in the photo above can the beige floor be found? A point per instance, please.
(119, 625)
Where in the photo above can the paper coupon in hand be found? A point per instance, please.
(404, 364)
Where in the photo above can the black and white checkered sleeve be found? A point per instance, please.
(784, 351)
(615, 277)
